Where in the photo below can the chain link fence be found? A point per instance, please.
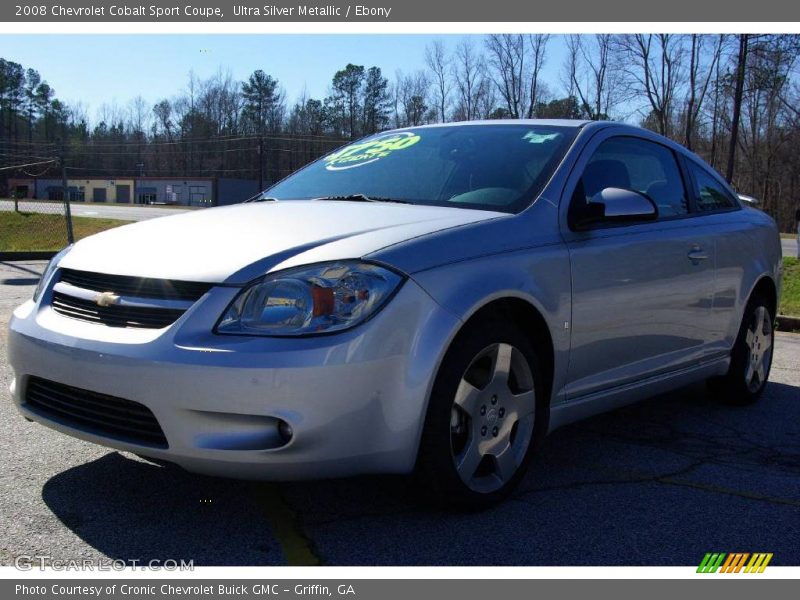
(33, 228)
(33, 223)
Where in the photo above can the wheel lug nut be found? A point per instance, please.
(483, 430)
(494, 399)
(502, 412)
(494, 432)
(483, 410)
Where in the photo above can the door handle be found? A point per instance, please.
(696, 254)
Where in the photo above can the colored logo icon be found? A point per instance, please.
(735, 562)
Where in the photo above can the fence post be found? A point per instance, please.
(67, 208)
(260, 162)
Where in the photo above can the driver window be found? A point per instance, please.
(638, 165)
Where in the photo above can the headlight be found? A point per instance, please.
(48, 272)
(310, 300)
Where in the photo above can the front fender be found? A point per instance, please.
(539, 276)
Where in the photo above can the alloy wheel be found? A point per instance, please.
(759, 344)
(492, 417)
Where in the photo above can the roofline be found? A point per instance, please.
(572, 123)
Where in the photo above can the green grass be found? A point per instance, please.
(790, 294)
(789, 236)
(33, 232)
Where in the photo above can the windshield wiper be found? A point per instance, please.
(260, 197)
(362, 198)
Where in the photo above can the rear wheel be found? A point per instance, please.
(485, 416)
(751, 358)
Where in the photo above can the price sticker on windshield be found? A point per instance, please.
(369, 151)
(540, 138)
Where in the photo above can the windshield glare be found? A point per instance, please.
(488, 167)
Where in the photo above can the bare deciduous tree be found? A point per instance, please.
(538, 44)
(412, 97)
(507, 60)
(591, 75)
(468, 73)
(703, 65)
(438, 62)
(741, 64)
(653, 64)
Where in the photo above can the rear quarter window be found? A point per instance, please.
(710, 194)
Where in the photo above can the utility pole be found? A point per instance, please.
(67, 208)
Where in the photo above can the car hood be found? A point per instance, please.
(235, 244)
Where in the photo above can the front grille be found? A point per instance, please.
(96, 413)
(141, 287)
(115, 315)
(124, 314)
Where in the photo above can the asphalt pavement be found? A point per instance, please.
(790, 247)
(661, 482)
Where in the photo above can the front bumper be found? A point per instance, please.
(355, 401)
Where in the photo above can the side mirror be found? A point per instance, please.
(614, 205)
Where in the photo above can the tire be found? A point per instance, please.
(484, 420)
(751, 357)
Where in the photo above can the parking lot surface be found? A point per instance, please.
(790, 247)
(661, 482)
(123, 212)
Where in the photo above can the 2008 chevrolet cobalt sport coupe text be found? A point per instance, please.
(434, 298)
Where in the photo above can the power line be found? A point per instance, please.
(84, 144)
(218, 139)
(153, 153)
(135, 172)
(34, 164)
(20, 156)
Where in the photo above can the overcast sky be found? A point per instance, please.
(98, 69)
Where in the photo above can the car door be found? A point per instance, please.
(735, 246)
(641, 290)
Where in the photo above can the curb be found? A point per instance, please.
(787, 323)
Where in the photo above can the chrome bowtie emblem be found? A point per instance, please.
(106, 299)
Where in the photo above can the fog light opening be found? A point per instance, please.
(286, 432)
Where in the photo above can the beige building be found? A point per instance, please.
(88, 189)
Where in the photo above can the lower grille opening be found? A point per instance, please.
(93, 412)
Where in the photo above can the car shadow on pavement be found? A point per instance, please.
(133, 510)
(20, 281)
(659, 483)
(22, 275)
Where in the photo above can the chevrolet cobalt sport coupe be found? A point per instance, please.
(432, 299)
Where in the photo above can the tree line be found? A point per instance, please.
(733, 99)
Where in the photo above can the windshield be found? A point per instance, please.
(489, 167)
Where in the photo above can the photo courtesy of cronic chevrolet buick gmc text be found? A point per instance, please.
(430, 300)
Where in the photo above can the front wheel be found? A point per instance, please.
(486, 414)
(751, 358)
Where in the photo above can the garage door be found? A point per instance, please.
(98, 194)
(124, 193)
